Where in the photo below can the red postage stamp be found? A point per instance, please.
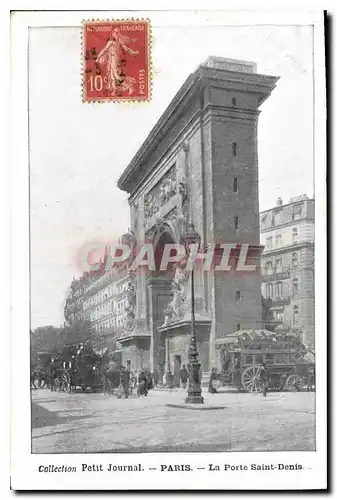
(116, 60)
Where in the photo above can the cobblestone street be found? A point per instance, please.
(92, 422)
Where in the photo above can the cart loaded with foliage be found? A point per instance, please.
(291, 366)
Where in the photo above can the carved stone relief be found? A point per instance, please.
(131, 302)
(134, 216)
(160, 194)
(175, 309)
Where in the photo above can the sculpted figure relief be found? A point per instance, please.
(151, 206)
(131, 303)
(174, 310)
(183, 191)
(160, 195)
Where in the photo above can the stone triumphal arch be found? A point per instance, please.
(198, 165)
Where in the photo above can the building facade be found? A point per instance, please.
(103, 299)
(199, 166)
(287, 265)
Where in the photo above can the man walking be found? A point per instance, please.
(264, 377)
(142, 384)
(125, 380)
(183, 376)
(155, 377)
(213, 377)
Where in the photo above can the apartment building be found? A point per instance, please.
(287, 264)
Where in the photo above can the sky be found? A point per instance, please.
(78, 150)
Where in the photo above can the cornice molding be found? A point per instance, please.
(194, 88)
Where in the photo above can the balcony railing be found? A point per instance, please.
(274, 274)
(279, 301)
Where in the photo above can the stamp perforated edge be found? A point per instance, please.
(149, 58)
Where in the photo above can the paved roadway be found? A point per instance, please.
(89, 423)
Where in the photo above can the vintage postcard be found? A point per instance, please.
(168, 196)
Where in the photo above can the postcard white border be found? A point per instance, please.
(24, 465)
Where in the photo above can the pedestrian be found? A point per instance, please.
(148, 379)
(133, 378)
(155, 377)
(212, 378)
(124, 382)
(236, 373)
(183, 376)
(264, 377)
(142, 384)
(311, 380)
(169, 379)
(176, 377)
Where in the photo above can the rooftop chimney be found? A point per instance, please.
(279, 202)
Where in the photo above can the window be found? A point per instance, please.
(258, 359)
(278, 265)
(279, 316)
(278, 240)
(263, 221)
(295, 234)
(281, 359)
(248, 360)
(235, 185)
(269, 359)
(269, 267)
(233, 101)
(269, 290)
(278, 290)
(295, 315)
(295, 259)
(295, 286)
(236, 222)
(273, 220)
(238, 296)
(297, 212)
(234, 149)
(277, 218)
(269, 243)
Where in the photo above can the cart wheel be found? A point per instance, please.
(294, 382)
(250, 379)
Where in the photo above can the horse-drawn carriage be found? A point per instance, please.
(39, 375)
(112, 373)
(78, 366)
(290, 365)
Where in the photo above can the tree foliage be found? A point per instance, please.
(46, 339)
(81, 331)
(51, 339)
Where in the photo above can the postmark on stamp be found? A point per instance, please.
(116, 60)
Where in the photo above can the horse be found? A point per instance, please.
(40, 376)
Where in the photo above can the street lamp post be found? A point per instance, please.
(169, 377)
(194, 386)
